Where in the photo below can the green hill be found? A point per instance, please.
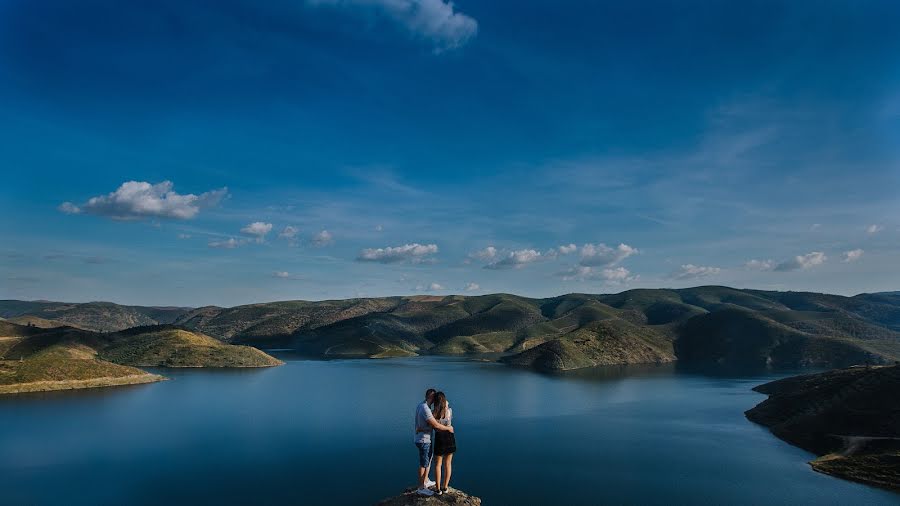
(36, 359)
(175, 347)
(706, 324)
(105, 316)
(850, 417)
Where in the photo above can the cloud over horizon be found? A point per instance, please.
(691, 271)
(414, 253)
(802, 262)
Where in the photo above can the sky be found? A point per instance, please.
(184, 152)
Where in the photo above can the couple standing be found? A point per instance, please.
(434, 414)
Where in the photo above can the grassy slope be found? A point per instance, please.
(850, 417)
(105, 316)
(34, 359)
(704, 324)
(174, 347)
(66, 366)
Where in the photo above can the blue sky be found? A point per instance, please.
(191, 153)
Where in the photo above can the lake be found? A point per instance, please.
(340, 432)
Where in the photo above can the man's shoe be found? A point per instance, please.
(429, 483)
(425, 492)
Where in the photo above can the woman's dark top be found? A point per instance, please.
(445, 442)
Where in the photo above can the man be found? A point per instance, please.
(425, 423)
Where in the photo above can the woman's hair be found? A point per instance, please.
(440, 406)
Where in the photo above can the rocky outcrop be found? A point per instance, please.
(849, 417)
(410, 498)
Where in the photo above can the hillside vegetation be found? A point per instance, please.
(850, 417)
(99, 316)
(708, 324)
(38, 359)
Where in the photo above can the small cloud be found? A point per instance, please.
(565, 249)
(874, 229)
(379, 228)
(434, 20)
(257, 229)
(230, 243)
(285, 275)
(852, 255)
(515, 259)
(288, 232)
(471, 287)
(815, 226)
(433, 287)
(134, 200)
(412, 253)
(485, 254)
(614, 276)
(593, 255)
(691, 271)
(184, 236)
(323, 238)
(69, 208)
(802, 262)
(760, 265)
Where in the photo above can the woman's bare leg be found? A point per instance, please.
(437, 469)
(448, 470)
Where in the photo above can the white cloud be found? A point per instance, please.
(760, 265)
(488, 253)
(434, 20)
(379, 228)
(135, 200)
(412, 253)
(565, 249)
(874, 229)
(515, 259)
(614, 276)
(285, 275)
(257, 229)
(69, 208)
(603, 255)
(471, 287)
(230, 243)
(184, 236)
(433, 287)
(852, 255)
(815, 226)
(691, 271)
(288, 232)
(802, 262)
(323, 238)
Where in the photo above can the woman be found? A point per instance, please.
(444, 443)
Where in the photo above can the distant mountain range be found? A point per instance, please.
(702, 325)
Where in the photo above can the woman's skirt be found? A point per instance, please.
(444, 442)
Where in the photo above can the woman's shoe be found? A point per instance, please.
(444, 491)
(439, 492)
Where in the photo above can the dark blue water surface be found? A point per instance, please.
(339, 432)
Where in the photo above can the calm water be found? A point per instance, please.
(339, 432)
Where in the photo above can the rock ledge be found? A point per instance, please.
(410, 498)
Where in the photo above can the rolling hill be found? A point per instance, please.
(849, 417)
(99, 316)
(704, 325)
(61, 358)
